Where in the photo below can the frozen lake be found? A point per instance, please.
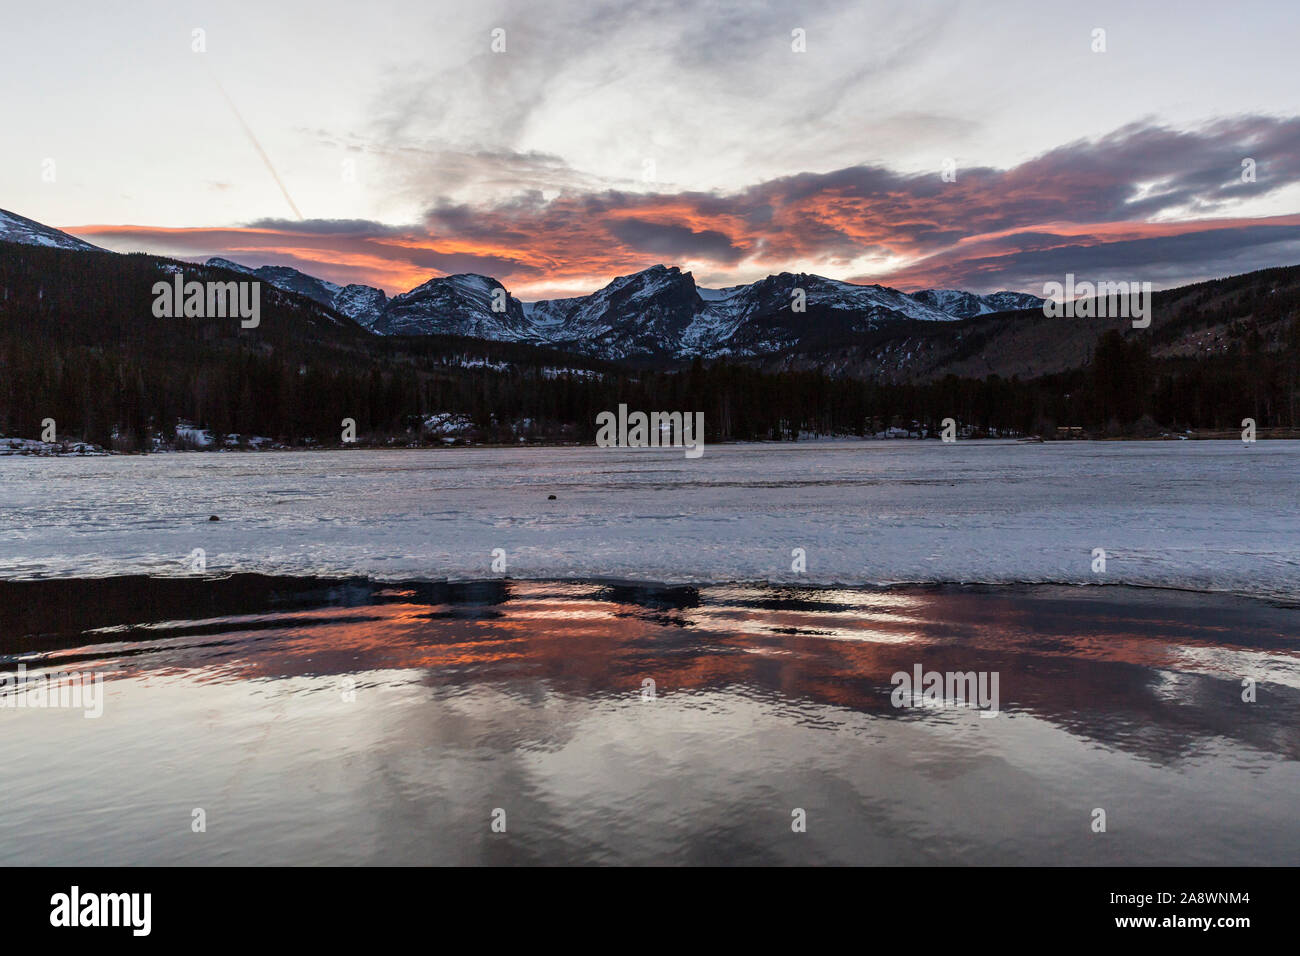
(1215, 516)
(357, 706)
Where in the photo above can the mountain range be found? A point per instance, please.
(656, 314)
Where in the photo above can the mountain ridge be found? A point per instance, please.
(658, 312)
(655, 314)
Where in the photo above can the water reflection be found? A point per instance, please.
(533, 695)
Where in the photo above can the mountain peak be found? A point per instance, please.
(466, 304)
(219, 263)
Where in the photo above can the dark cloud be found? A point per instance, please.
(674, 242)
(329, 227)
(1164, 260)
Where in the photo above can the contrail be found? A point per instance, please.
(256, 145)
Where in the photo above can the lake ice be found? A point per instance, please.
(1200, 515)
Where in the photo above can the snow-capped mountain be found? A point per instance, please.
(661, 311)
(290, 280)
(786, 310)
(362, 303)
(468, 304)
(656, 313)
(963, 305)
(16, 228)
(645, 313)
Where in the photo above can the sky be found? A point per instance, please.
(929, 143)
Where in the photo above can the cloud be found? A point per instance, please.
(702, 88)
(1145, 196)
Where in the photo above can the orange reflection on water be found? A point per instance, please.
(1063, 654)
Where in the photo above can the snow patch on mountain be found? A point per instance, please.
(220, 263)
(362, 303)
(964, 305)
(466, 304)
(16, 228)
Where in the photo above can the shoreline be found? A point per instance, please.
(1263, 434)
